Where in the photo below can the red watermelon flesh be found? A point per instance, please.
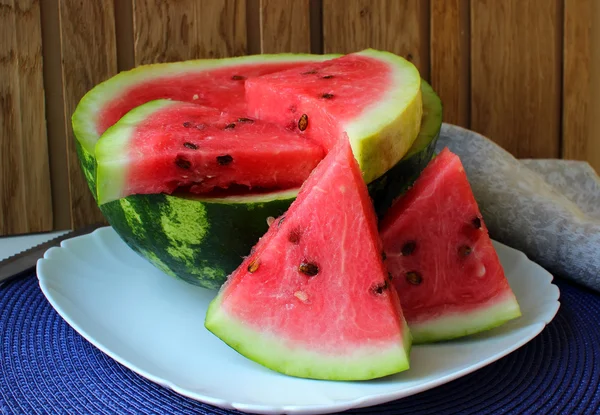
(312, 299)
(441, 258)
(199, 149)
(221, 88)
(328, 92)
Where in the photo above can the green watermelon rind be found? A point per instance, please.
(385, 190)
(450, 326)
(289, 359)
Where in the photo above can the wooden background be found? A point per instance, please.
(518, 71)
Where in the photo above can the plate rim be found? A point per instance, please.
(362, 402)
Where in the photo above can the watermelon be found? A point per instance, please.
(441, 258)
(372, 97)
(164, 145)
(179, 232)
(312, 299)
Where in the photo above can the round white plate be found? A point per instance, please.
(154, 325)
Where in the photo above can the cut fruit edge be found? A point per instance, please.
(364, 364)
(493, 313)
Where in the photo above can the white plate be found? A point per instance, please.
(153, 324)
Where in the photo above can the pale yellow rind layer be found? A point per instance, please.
(276, 354)
(384, 132)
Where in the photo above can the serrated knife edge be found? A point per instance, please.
(24, 261)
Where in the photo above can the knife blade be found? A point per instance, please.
(20, 264)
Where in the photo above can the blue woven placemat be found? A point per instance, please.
(48, 368)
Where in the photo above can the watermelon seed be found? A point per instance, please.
(308, 268)
(270, 220)
(414, 278)
(191, 146)
(280, 221)
(230, 126)
(200, 126)
(183, 163)
(246, 120)
(224, 160)
(301, 295)
(187, 124)
(379, 288)
(327, 96)
(303, 122)
(464, 250)
(390, 276)
(253, 267)
(311, 72)
(476, 222)
(294, 236)
(408, 248)
(328, 77)
(383, 256)
(238, 77)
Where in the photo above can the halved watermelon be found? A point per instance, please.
(312, 299)
(373, 97)
(441, 258)
(165, 145)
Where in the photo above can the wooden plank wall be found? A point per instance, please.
(520, 72)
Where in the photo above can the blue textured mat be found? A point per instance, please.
(47, 368)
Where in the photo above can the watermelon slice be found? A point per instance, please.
(198, 148)
(373, 97)
(312, 299)
(441, 258)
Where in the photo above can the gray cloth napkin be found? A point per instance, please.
(548, 209)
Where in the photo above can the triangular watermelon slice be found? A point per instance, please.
(312, 299)
(200, 149)
(441, 258)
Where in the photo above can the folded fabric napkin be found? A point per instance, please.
(548, 209)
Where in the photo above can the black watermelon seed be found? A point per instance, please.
(303, 122)
(327, 96)
(253, 267)
(328, 77)
(308, 268)
(246, 120)
(183, 163)
(294, 236)
(476, 222)
(408, 248)
(383, 256)
(187, 124)
(311, 72)
(414, 278)
(379, 288)
(464, 250)
(230, 126)
(191, 146)
(390, 276)
(224, 160)
(280, 222)
(238, 77)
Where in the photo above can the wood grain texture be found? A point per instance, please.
(577, 93)
(89, 57)
(188, 29)
(515, 74)
(449, 52)
(285, 26)
(25, 199)
(398, 26)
